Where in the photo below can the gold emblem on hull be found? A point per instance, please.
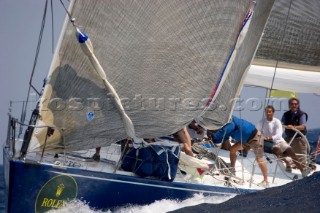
(56, 192)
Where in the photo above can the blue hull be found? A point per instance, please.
(35, 188)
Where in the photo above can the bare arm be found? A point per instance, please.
(182, 136)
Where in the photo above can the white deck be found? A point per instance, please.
(247, 176)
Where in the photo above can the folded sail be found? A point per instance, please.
(162, 57)
(286, 79)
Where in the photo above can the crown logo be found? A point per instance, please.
(60, 188)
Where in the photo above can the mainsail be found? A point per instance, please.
(162, 57)
(288, 57)
(292, 35)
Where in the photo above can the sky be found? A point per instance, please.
(20, 22)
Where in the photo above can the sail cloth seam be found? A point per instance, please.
(87, 48)
(241, 34)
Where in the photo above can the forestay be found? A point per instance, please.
(162, 57)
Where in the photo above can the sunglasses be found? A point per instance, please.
(294, 104)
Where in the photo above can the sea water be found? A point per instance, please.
(160, 206)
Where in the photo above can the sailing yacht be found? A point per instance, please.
(131, 70)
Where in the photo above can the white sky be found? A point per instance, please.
(20, 22)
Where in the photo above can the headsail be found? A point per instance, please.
(242, 56)
(162, 57)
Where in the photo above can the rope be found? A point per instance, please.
(39, 44)
(281, 43)
(35, 126)
(69, 15)
(241, 141)
(36, 59)
(275, 68)
(52, 27)
(268, 92)
(278, 56)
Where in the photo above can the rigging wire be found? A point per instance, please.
(36, 60)
(273, 78)
(52, 27)
(39, 45)
(268, 92)
(69, 15)
(278, 52)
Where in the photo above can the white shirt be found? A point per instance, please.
(271, 128)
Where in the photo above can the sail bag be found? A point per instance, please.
(153, 160)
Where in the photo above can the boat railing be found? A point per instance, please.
(14, 125)
(11, 136)
(14, 144)
(16, 135)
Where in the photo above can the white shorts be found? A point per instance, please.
(282, 144)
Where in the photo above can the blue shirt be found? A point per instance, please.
(233, 129)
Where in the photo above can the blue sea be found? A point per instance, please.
(1, 190)
(299, 196)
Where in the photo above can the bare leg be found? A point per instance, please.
(280, 155)
(299, 146)
(96, 156)
(226, 145)
(292, 154)
(98, 150)
(182, 136)
(233, 153)
(263, 168)
(257, 145)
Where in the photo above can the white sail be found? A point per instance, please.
(162, 57)
(237, 67)
(288, 57)
(291, 37)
